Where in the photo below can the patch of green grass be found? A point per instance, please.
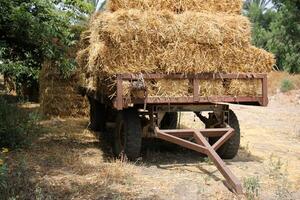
(3, 176)
(286, 85)
(208, 161)
(16, 125)
(280, 177)
(252, 187)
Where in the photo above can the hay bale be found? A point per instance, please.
(169, 88)
(211, 88)
(58, 96)
(227, 6)
(132, 41)
(248, 59)
(244, 88)
(164, 26)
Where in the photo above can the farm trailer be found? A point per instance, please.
(134, 118)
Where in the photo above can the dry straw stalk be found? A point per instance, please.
(227, 6)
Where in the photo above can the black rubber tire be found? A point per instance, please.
(97, 115)
(127, 137)
(169, 121)
(230, 149)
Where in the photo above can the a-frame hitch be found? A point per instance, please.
(201, 145)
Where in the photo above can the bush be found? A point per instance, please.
(3, 175)
(286, 85)
(16, 125)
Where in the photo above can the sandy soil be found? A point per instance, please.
(69, 162)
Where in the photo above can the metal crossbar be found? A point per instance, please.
(202, 146)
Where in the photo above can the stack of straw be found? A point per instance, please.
(169, 36)
(58, 95)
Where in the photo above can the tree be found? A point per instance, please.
(285, 39)
(98, 4)
(35, 30)
(277, 29)
(262, 4)
(261, 17)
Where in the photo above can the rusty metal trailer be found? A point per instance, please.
(156, 117)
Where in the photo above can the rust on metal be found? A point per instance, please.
(203, 76)
(196, 90)
(121, 102)
(202, 146)
(265, 100)
(119, 98)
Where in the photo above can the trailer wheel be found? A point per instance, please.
(97, 115)
(169, 121)
(230, 149)
(127, 137)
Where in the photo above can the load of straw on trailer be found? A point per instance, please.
(226, 6)
(153, 37)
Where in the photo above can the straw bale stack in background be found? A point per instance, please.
(168, 36)
(58, 96)
(226, 6)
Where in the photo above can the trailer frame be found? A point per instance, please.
(189, 138)
(120, 102)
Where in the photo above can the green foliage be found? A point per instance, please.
(286, 85)
(17, 126)
(277, 29)
(261, 17)
(3, 174)
(278, 173)
(35, 30)
(285, 41)
(252, 187)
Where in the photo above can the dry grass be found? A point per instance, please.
(228, 6)
(275, 80)
(66, 163)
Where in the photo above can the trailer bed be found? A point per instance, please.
(120, 102)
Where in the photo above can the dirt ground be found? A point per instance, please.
(67, 161)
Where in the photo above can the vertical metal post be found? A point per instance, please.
(196, 89)
(119, 97)
(265, 90)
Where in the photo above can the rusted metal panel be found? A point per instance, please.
(200, 100)
(203, 76)
(120, 102)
